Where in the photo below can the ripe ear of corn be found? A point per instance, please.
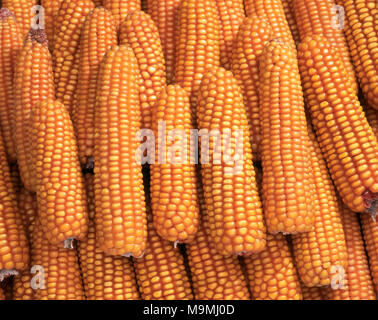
(104, 277)
(60, 190)
(65, 50)
(22, 10)
(10, 45)
(98, 35)
(161, 273)
(358, 284)
(273, 12)
(345, 137)
(290, 17)
(173, 184)
(254, 33)
(164, 13)
(271, 273)
(313, 293)
(197, 44)
(231, 15)
(214, 277)
(370, 233)
(139, 31)
(361, 33)
(33, 82)
(316, 17)
(372, 117)
(235, 217)
(51, 8)
(59, 268)
(318, 251)
(14, 255)
(287, 175)
(121, 8)
(121, 227)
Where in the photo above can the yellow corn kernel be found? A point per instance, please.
(121, 8)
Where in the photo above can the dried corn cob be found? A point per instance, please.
(316, 17)
(313, 293)
(197, 44)
(370, 233)
(98, 35)
(235, 217)
(361, 33)
(22, 9)
(372, 117)
(231, 15)
(345, 137)
(318, 251)
(59, 183)
(173, 179)
(105, 277)
(51, 8)
(161, 271)
(358, 284)
(10, 45)
(33, 82)
(15, 177)
(214, 277)
(121, 227)
(164, 12)
(271, 273)
(254, 33)
(121, 8)
(284, 145)
(140, 33)
(14, 254)
(65, 50)
(58, 268)
(273, 12)
(290, 17)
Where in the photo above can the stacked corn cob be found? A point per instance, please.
(261, 179)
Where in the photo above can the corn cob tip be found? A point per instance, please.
(38, 35)
(69, 243)
(5, 273)
(371, 202)
(5, 13)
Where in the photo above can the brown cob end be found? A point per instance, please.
(5, 13)
(5, 273)
(371, 202)
(89, 164)
(38, 35)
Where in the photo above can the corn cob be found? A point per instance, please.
(59, 183)
(65, 50)
(358, 284)
(361, 33)
(345, 137)
(214, 277)
(121, 8)
(254, 33)
(51, 8)
(173, 181)
(98, 35)
(22, 10)
(27, 205)
(271, 273)
(284, 145)
(313, 293)
(14, 255)
(121, 227)
(105, 277)
(290, 17)
(316, 17)
(140, 33)
(230, 15)
(273, 12)
(15, 177)
(33, 82)
(197, 44)
(59, 269)
(370, 233)
(235, 217)
(10, 45)
(372, 117)
(161, 271)
(318, 251)
(164, 13)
